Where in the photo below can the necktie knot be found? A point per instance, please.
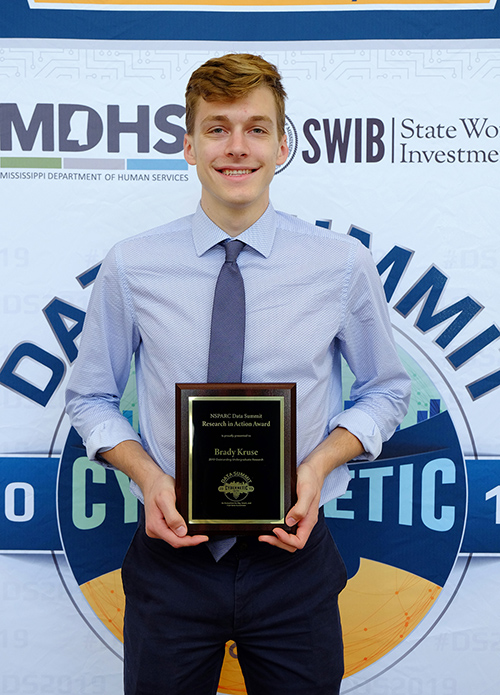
(233, 249)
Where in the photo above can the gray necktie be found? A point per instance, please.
(227, 341)
(227, 336)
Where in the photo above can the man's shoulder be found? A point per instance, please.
(295, 225)
(162, 233)
(153, 249)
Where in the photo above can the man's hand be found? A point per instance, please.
(304, 513)
(163, 521)
(339, 447)
(162, 518)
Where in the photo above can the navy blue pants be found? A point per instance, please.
(280, 608)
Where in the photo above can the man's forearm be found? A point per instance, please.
(338, 448)
(130, 458)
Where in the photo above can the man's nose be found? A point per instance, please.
(237, 145)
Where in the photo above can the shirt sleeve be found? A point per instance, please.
(381, 391)
(109, 340)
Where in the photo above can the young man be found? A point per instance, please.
(311, 296)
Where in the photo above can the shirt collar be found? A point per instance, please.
(260, 236)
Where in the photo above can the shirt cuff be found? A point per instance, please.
(362, 426)
(106, 436)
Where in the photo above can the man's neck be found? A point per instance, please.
(233, 221)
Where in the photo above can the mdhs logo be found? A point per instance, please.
(80, 128)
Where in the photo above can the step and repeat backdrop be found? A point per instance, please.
(393, 122)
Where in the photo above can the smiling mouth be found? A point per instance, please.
(236, 172)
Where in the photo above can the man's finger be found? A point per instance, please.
(273, 540)
(176, 539)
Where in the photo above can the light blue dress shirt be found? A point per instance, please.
(312, 295)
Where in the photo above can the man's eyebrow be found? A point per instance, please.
(260, 119)
(215, 118)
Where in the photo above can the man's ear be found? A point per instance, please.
(282, 151)
(189, 154)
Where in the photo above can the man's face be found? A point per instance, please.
(236, 147)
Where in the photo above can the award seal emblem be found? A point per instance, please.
(236, 487)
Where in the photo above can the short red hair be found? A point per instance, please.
(231, 77)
